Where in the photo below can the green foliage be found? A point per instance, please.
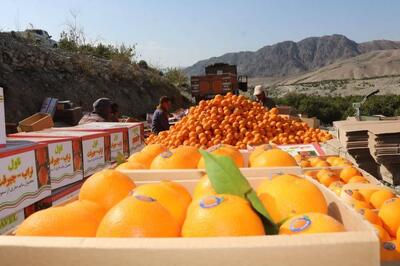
(177, 77)
(332, 108)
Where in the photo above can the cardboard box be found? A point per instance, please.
(358, 246)
(10, 222)
(119, 144)
(24, 176)
(95, 147)
(65, 159)
(36, 122)
(134, 133)
(2, 120)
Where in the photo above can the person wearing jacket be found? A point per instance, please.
(161, 114)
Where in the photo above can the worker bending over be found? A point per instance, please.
(262, 98)
(161, 114)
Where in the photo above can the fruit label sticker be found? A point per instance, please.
(144, 198)
(93, 155)
(19, 182)
(166, 154)
(300, 224)
(210, 202)
(117, 145)
(135, 141)
(8, 223)
(61, 163)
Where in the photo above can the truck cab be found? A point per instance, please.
(219, 78)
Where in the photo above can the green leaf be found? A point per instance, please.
(226, 178)
(270, 227)
(120, 159)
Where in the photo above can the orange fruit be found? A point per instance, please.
(366, 193)
(130, 166)
(382, 234)
(225, 150)
(322, 164)
(347, 173)
(154, 149)
(380, 196)
(258, 150)
(359, 204)
(326, 177)
(336, 187)
(390, 251)
(183, 157)
(288, 195)
(184, 194)
(312, 174)
(332, 159)
(370, 216)
(107, 188)
(203, 188)
(398, 234)
(78, 219)
(357, 179)
(390, 215)
(222, 215)
(310, 223)
(141, 158)
(314, 161)
(305, 164)
(138, 216)
(168, 197)
(272, 158)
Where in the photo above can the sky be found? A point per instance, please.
(177, 33)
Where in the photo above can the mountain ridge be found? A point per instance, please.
(293, 58)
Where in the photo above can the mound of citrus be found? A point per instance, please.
(237, 121)
(222, 215)
(138, 216)
(287, 195)
(107, 188)
(183, 157)
(310, 223)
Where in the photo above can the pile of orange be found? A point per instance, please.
(238, 121)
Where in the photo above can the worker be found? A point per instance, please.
(262, 98)
(160, 117)
(101, 112)
(115, 114)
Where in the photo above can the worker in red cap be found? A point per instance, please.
(102, 109)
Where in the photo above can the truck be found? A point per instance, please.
(219, 78)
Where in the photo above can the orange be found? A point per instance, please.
(390, 251)
(272, 158)
(130, 166)
(222, 215)
(258, 150)
(154, 149)
(326, 177)
(138, 216)
(184, 195)
(398, 234)
(106, 188)
(141, 158)
(366, 193)
(168, 197)
(312, 174)
(78, 219)
(370, 216)
(183, 157)
(379, 197)
(314, 160)
(305, 164)
(288, 195)
(310, 223)
(203, 188)
(357, 179)
(225, 150)
(382, 234)
(347, 173)
(332, 159)
(358, 204)
(390, 215)
(322, 164)
(336, 187)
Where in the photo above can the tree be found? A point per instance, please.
(177, 77)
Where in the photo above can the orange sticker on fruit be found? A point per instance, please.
(210, 202)
(300, 224)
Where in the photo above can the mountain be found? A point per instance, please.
(293, 58)
(29, 73)
(365, 66)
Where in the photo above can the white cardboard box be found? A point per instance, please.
(2, 119)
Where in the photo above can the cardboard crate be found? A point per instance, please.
(65, 159)
(95, 147)
(118, 139)
(134, 133)
(10, 222)
(36, 122)
(2, 120)
(24, 176)
(358, 246)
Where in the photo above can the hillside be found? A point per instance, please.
(293, 58)
(365, 66)
(30, 73)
